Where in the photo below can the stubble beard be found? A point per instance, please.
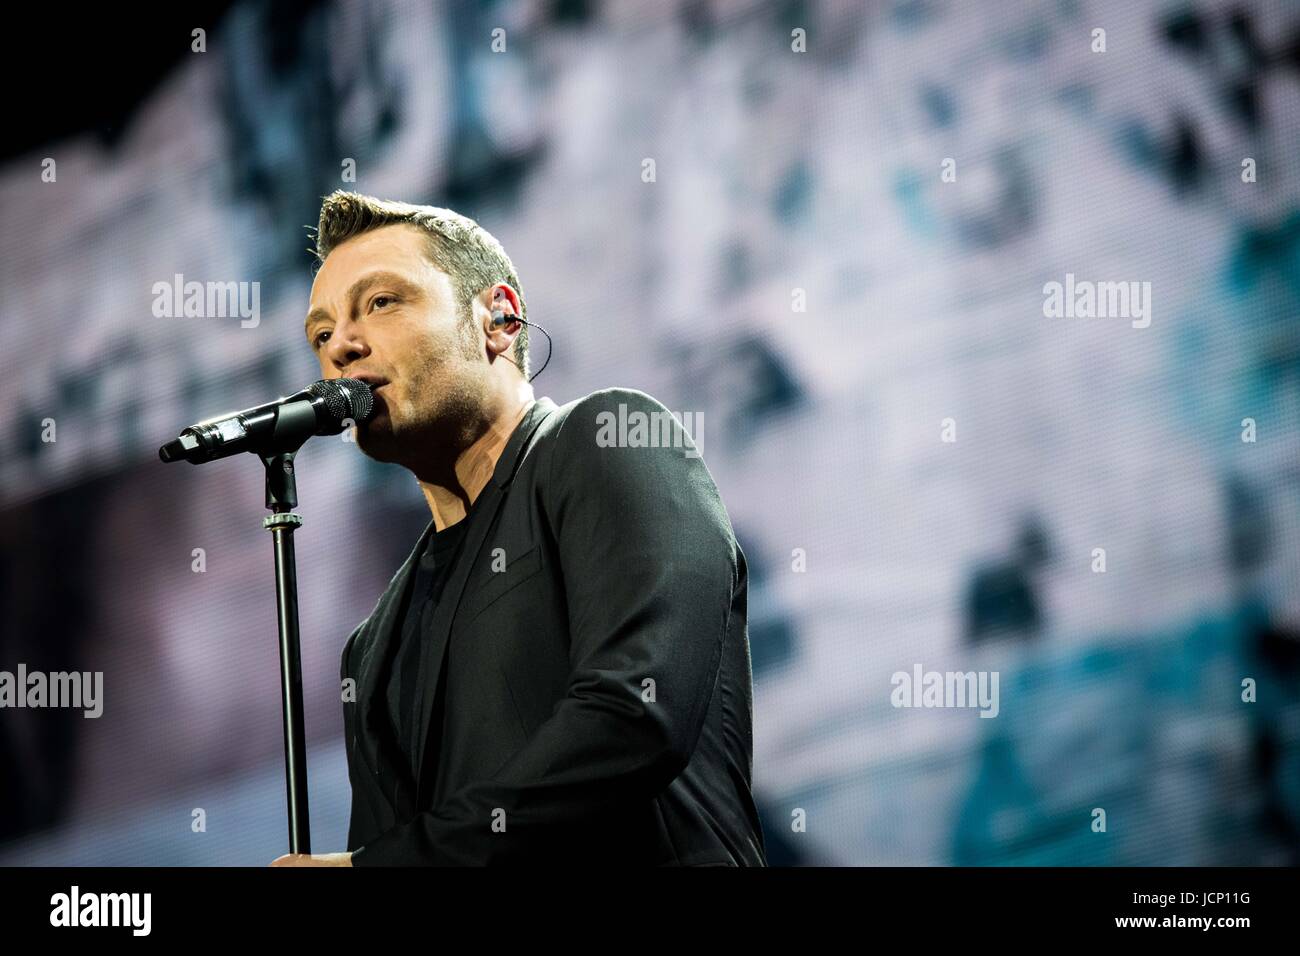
(440, 408)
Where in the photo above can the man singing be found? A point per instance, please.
(560, 671)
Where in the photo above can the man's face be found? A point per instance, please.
(382, 312)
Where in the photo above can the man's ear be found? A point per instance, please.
(502, 298)
(501, 338)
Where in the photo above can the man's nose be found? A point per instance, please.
(345, 346)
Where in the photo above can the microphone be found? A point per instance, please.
(326, 407)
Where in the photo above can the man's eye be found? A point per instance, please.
(316, 342)
(382, 298)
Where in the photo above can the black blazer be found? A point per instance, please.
(598, 684)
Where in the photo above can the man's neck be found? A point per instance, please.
(475, 465)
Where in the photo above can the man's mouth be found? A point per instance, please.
(374, 381)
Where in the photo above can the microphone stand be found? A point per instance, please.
(281, 499)
(277, 430)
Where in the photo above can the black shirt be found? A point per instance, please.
(432, 572)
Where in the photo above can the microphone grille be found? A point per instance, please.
(344, 398)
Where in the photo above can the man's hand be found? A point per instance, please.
(313, 859)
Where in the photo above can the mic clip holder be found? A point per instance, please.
(281, 487)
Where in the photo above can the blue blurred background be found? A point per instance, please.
(782, 179)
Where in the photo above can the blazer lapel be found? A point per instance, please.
(433, 651)
(374, 641)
